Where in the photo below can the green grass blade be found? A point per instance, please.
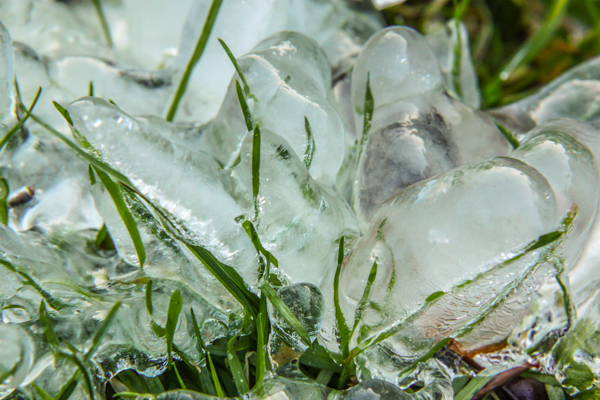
(67, 390)
(172, 316)
(362, 304)
(199, 341)
(544, 240)
(103, 239)
(198, 50)
(83, 370)
(508, 135)
(103, 24)
(537, 41)
(13, 131)
(102, 331)
(179, 379)
(369, 107)
(91, 89)
(310, 145)
(434, 296)
(148, 297)
(340, 320)
(91, 175)
(237, 371)
(283, 310)
(270, 258)
(237, 68)
(244, 106)
(125, 213)
(262, 338)
(472, 387)
(256, 169)
(41, 392)
(4, 192)
(63, 111)
(229, 278)
(51, 300)
(47, 326)
(215, 376)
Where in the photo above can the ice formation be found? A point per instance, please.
(331, 131)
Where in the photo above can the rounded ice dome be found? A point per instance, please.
(400, 63)
(16, 357)
(288, 50)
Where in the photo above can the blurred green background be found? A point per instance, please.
(531, 41)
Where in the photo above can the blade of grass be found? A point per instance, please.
(237, 371)
(63, 111)
(41, 392)
(244, 106)
(51, 300)
(68, 388)
(125, 213)
(215, 376)
(84, 372)
(508, 135)
(198, 50)
(148, 297)
(102, 331)
(47, 326)
(103, 23)
(362, 304)
(228, 277)
(342, 325)
(255, 169)
(237, 68)
(283, 310)
(103, 239)
(91, 89)
(18, 126)
(472, 387)
(369, 107)
(537, 41)
(172, 316)
(4, 192)
(310, 145)
(262, 338)
(270, 258)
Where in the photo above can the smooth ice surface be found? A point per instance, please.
(441, 233)
(400, 64)
(307, 303)
(574, 95)
(460, 79)
(289, 78)
(417, 130)
(299, 220)
(6, 73)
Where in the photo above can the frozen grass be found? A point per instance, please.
(505, 30)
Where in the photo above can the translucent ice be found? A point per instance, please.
(417, 131)
(289, 78)
(198, 199)
(307, 304)
(299, 220)
(576, 357)
(6, 73)
(574, 95)
(460, 79)
(443, 249)
(376, 390)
